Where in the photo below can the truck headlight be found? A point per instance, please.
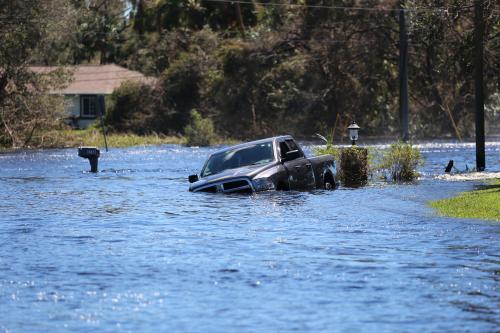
(263, 184)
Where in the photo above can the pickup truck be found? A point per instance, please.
(276, 163)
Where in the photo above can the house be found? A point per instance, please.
(89, 84)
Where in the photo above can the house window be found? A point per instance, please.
(89, 106)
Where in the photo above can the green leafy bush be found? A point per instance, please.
(200, 131)
(330, 150)
(180, 85)
(353, 163)
(132, 109)
(353, 167)
(401, 161)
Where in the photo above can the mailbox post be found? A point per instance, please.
(92, 154)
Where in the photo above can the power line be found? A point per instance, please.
(244, 2)
(274, 4)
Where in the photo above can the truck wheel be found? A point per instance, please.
(329, 183)
(281, 187)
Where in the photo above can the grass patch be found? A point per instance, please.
(93, 137)
(479, 204)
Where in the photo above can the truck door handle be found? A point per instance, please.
(308, 166)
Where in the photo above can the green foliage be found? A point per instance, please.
(329, 150)
(24, 117)
(181, 89)
(260, 70)
(131, 109)
(480, 204)
(353, 163)
(401, 161)
(200, 131)
(24, 108)
(162, 15)
(166, 106)
(398, 163)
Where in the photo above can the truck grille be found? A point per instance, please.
(235, 184)
(210, 189)
(230, 186)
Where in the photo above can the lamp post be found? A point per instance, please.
(354, 161)
(353, 132)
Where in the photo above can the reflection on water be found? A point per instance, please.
(130, 249)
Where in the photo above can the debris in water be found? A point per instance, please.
(470, 176)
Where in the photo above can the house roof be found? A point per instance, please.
(95, 79)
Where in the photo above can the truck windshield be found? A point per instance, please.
(243, 156)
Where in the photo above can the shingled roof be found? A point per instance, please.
(95, 79)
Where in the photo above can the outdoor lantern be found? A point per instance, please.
(353, 132)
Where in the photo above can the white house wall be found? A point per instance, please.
(73, 106)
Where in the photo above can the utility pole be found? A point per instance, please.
(102, 109)
(403, 74)
(478, 83)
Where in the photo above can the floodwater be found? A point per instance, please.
(131, 250)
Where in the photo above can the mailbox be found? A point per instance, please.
(92, 154)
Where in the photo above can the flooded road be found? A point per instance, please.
(130, 249)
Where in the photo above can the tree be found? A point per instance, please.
(23, 107)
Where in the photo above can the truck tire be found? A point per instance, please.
(329, 182)
(282, 187)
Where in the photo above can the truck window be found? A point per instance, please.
(237, 157)
(283, 149)
(287, 146)
(292, 145)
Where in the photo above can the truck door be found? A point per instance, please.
(300, 171)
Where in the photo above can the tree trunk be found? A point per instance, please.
(254, 118)
(3, 84)
(239, 18)
(11, 134)
(30, 136)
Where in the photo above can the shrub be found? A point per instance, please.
(329, 150)
(200, 131)
(25, 117)
(180, 85)
(353, 167)
(353, 163)
(132, 109)
(401, 161)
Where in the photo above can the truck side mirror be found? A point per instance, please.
(193, 178)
